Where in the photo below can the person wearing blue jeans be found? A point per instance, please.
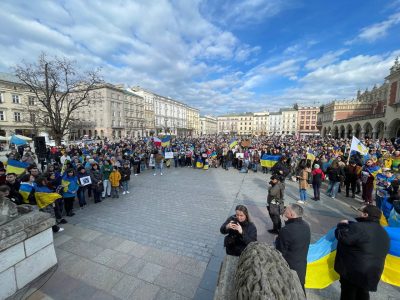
(303, 195)
(333, 188)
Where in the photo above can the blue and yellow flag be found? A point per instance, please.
(25, 190)
(321, 259)
(16, 166)
(268, 161)
(44, 196)
(310, 155)
(166, 141)
(233, 143)
(214, 154)
(374, 170)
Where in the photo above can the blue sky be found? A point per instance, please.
(219, 56)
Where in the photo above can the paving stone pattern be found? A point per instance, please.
(162, 240)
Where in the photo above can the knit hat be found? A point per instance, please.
(316, 166)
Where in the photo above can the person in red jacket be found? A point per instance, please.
(317, 177)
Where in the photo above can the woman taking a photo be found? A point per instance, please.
(240, 231)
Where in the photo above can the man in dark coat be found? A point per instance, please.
(361, 252)
(293, 241)
(275, 203)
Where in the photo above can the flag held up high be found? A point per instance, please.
(356, 145)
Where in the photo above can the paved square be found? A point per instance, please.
(162, 240)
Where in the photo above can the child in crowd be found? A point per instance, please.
(125, 177)
(115, 178)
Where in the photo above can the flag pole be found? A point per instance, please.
(348, 158)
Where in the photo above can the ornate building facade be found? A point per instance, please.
(373, 114)
(208, 125)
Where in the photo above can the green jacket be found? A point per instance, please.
(106, 171)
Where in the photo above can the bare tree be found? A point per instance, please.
(60, 90)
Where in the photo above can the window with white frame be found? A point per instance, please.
(17, 117)
(15, 98)
(2, 116)
(31, 100)
(1, 97)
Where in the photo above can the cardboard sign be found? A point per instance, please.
(169, 155)
(85, 180)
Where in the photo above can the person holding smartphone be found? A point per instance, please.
(239, 231)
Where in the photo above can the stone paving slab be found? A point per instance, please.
(162, 240)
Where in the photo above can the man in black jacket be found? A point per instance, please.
(361, 252)
(293, 241)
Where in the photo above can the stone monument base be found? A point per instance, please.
(26, 251)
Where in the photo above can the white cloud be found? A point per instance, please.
(326, 59)
(377, 31)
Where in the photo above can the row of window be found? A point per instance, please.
(16, 99)
(17, 116)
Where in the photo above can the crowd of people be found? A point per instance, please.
(79, 172)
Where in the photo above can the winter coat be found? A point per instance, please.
(234, 242)
(106, 170)
(335, 174)
(115, 178)
(97, 180)
(303, 179)
(276, 192)
(293, 242)
(317, 176)
(361, 252)
(351, 173)
(125, 174)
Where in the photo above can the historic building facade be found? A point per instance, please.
(373, 114)
(307, 120)
(113, 113)
(208, 125)
(261, 123)
(227, 124)
(275, 123)
(289, 120)
(17, 108)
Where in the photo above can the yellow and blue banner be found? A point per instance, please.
(268, 161)
(233, 143)
(166, 141)
(44, 196)
(321, 260)
(16, 166)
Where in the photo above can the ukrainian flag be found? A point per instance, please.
(269, 161)
(310, 155)
(166, 141)
(321, 259)
(233, 143)
(25, 190)
(374, 170)
(214, 154)
(44, 196)
(16, 166)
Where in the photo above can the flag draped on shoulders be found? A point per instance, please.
(16, 166)
(44, 196)
(268, 161)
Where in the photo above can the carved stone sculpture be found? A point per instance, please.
(263, 273)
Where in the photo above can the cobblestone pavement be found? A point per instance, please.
(162, 240)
